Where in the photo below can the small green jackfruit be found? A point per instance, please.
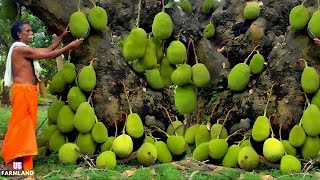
(316, 99)
(176, 52)
(273, 149)
(54, 110)
(69, 72)
(147, 154)
(99, 132)
(257, 64)
(218, 148)
(163, 153)
(231, 157)
(176, 145)
(87, 78)
(290, 164)
(154, 79)
(288, 148)
(176, 127)
(185, 99)
(190, 134)
(149, 60)
(261, 129)
(310, 80)
(297, 136)
(310, 148)
(134, 125)
(166, 70)
(78, 24)
(162, 26)
(206, 6)
(65, 119)
(47, 133)
(215, 4)
(248, 158)
(75, 97)
(149, 139)
(122, 146)
(68, 154)
(201, 152)
(313, 24)
(245, 143)
(85, 118)
(239, 77)
(137, 66)
(98, 18)
(251, 10)
(56, 141)
(203, 135)
(200, 75)
(106, 146)
(107, 160)
(218, 131)
(134, 46)
(310, 120)
(186, 6)
(182, 75)
(86, 143)
(209, 30)
(299, 17)
(9, 9)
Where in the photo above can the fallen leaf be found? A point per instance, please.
(129, 172)
(219, 168)
(266, 177)
(77, 172)
(153, 172)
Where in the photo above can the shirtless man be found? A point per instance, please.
(20, 140)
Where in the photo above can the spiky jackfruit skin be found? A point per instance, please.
(85, 118)
(162, 26)
(98, 18)
(163, 153)
(190, 134)
(273, 149)
(86, 143)
(69, 73)
(176, 127)
(107, 160)
(313, 24)
(68, 153)
(75, 97)
(297, 136)
(299, 17)
(310, 120)
(201, 152)
(78, 24)
(99, 132)
(176, 52)
(248, 158)
(154, 79)
(176, 145)
(134, 125)
(54, 110)
(231, 157)
(65, 119)
(56, 141)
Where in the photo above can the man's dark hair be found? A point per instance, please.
(16, 28)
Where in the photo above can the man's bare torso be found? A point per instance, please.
(23, 71)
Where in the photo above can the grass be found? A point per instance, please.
(49, 167)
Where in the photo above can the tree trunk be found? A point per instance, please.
(42, 87)
(234, 40)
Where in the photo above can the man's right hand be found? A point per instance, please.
(317, 41)
(76, 43)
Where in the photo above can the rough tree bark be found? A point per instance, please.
(234, 40)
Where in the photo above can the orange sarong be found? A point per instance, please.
(20, 139)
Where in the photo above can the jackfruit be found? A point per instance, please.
(185, 99)
(122, 146)
(215, 4)
(106, 146)
(176, 52)
(209, 30)
(87, 78)
(78, 24)
(47, 133)
(190, 134)
(54, 110)
(85, 118)
(65, 119)
(69, 72)
(147, 154)
(203, 135)
(273, 149)
(310, 148)
(134, 125)
(149, 60)
(41, 141)
(231, 157)
(245, 143)
(200, 75)
(86, 143)
(159, 49)
(186, 6)
(57, 84)
(316, 99)
(99, 132)
(206, 6)
(310, 80)
(75, 97)
(166, 70)
(299, 17)
(182, 75)
(134, 46)
(297, 136)
(163, 153)
(107, 160)
(67, 153)
(218, 131)
(137, 66)
(176, 145)
(176, 127)
(154, 79)
(98, 18)
(239, 77)
(290, 164)
(56, 141)
(248, 158)
(201, 152)
(9, 9)
(257, 63)
(288, 148)
(310, 120)
(251, 10)
(313, 24)
(149, 139)
(261, 129)
(218, 148)
(162, 26)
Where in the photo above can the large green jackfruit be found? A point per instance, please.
(176, 52)
(99, 132)
(310, 80)
(149, 60)
(68, 153)
(154, 79)
(84, 118)
(182, 75)
(313, 24)
(200, 75)
(134, 45)
(86, 143)
(134, 125)
(75, 97)
(311, 121)
(122, 146)
(299, 17)
(166, 70)
(57, 84)
(239, 77)
(56, 141)
(54, 110)
(69, 72)
(162, 26)
(65, 120)
(98, 18)
(78, 24)
(9, 9)
(185, 99)
(87, 78)
(147, 154)
(106, 160)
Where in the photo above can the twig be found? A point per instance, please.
(192, 174)
(85, 157)
(104, 170)
(127, 159)
(47, 175)
(41, 125)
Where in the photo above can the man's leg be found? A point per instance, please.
(28, 163)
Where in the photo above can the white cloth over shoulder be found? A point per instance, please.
(8, 77)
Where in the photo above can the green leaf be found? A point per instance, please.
(169, 4)
(207, 117)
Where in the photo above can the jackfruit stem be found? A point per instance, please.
(179, 34)
(139, 10)
(69, 56)
(213, 109)
(125, 91)
(116, 132)
(160, 130)
(280, 128)
(93, 3)
(124, 126)
(305, 62)
(318, 5)
(235, 133)
(194, 51)
(89, 99)
(162, 1)
(257, 52)
(307, 100)
(265, 109)
(79, 3)
(166, 113)
(254, 49)
(244, 138)
(272, 133)
(96, 119)
(224, 121)
(150, 134)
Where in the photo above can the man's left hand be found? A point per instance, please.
(317, 41)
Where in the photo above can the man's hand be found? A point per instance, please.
(65, 32)
(317, 41)
(76, 43)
